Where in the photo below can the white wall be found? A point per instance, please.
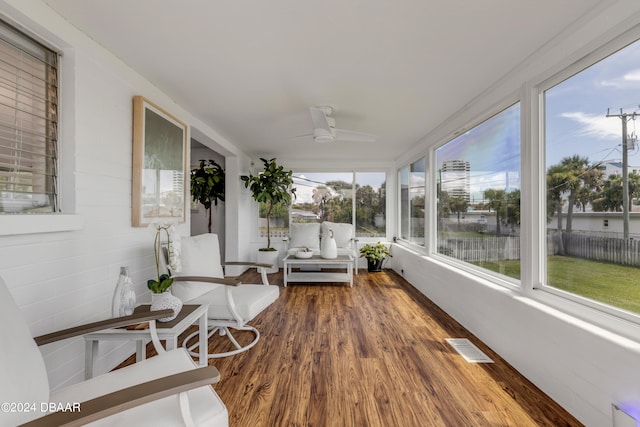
(62, 279)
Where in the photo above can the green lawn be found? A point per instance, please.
(611, 284)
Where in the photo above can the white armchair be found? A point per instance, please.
(231, 303)
(166, 390)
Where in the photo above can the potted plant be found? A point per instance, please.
(161, 297)
(272, 186)
(207, 185)
(374, 254)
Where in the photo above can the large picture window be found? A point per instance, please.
(592, 182)
(478, 186)
(332, 196)
(28, 124)
(412, 180)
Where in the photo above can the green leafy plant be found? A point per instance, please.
(164, 281)
(375, 252)
(207, 185)
(271, 186)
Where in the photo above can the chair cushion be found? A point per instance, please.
(250, 300)
(206, 407)
(342, 233)
(200, 256)
(347, 251)
(304, 235)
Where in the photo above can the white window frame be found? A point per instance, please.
(65, 219)
(601, 314)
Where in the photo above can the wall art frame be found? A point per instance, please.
(160, 155)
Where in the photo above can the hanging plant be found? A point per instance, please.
(207, 185)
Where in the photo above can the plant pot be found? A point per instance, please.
(374, 266)
(269, 257)
(164, 301)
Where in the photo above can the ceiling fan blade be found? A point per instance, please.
(319, 118)
(305, 136)
(351, 136)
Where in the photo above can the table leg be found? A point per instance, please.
(172, 343)
(141, 351)
(203, 340)
(286, 269)
(90, 352)
(350, 272)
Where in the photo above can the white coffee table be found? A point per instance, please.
(168, 331)
(341, 261)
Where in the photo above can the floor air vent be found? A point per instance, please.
(468, 350)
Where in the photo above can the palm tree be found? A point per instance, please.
(498, 202)
(457, 205)
(576, 172)
(555, 187)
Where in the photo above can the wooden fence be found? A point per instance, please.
(598, 248)
(481, 249)
(579, 245)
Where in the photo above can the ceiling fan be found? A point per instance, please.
(324, 128)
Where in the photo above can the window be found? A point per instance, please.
(28, 124)
(371, 204)
(412, 180)
(478, 185)
(278, 220)
(589, 156)
(331, 196)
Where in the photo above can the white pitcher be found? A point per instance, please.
(329, 248)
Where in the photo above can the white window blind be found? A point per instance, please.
(28, 124)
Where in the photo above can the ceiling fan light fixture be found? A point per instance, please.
(323, 138)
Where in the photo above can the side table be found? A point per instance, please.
(168, 331)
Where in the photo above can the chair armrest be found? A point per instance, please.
(116, 322)
(262, 268)
(249, 264)
(220, 281)
(130, 397)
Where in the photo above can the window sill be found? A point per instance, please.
(31, 224)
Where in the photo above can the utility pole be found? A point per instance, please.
(625, 117)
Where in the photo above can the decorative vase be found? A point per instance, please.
(329, 248)
(164, 301)
(124, 298)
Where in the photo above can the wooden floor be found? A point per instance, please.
(371, 355)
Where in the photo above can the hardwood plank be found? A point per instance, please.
(371, 355)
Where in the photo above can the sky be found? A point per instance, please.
(576, 110)
(575, 123)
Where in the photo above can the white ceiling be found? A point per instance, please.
(250, 69)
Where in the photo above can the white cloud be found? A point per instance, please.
(631, 79)
(598, 126)
(633, 76)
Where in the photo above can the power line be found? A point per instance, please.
(625, 117)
